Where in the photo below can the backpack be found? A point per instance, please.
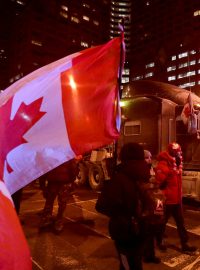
(152, 204)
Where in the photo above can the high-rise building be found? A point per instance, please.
(120, 13)
(42, 31)
(166, 42)
(5, 30)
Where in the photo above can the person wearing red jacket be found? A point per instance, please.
(168, 174)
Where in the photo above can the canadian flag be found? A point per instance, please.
(188, 115)
(14, 253)
(64, 109)
(187, 109)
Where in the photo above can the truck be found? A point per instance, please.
(151, 115)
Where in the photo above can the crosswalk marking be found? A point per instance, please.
(173, 262)
(190, 266)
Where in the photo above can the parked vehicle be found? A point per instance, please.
(93, 168)
(151, 116)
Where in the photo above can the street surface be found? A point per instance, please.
(84, 243)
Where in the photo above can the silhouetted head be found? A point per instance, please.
(132, 151)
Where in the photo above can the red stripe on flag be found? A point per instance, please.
(89, 94)
(14, 253)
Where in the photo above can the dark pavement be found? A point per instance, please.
(84, 243)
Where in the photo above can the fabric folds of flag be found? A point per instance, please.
(187, 109)
(188, 115)
(14, 253)
(64, 109)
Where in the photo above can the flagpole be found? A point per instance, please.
(121, 64)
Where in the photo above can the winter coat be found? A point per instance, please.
(125, 198)
(65, 173)
(169, 178)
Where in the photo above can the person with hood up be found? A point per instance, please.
(168, 173)
(125, 220)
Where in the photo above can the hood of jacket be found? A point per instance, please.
(165, 156)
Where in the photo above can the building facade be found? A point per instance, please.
(120, 13)
(166, 42)
(42, 31)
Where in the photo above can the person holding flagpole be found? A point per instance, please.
(64, 109)
(57, 184)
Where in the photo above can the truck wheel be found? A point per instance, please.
(82, 176)
(96, 177)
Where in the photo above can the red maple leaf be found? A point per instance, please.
(12, 131)
(187, 110)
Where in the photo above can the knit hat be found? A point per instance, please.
(132, 151)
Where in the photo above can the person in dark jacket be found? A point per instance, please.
(168, 173)
(57, 183)
(124, 224)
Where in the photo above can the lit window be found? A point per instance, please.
(186, 74)
(36, 42)
(192, 63)
(86, 5)
(171, 68)
(75, 19)
(125, 80)
(150, 74)
(173, 57)
(171, 78)
(117, 14)
(63, 14)
(84, 44)
(17, 77)
(20, 2)
(193, 52)
(187, 84)
(132, 128)
(65, 8)
(183, 65)
(86, 18)
(152, 64)
(121, 9)
(181, 55)
(121, 3)
(138, 78)
(181, 75)
(191, 73)
(196, 13)
(126, 71)
(96, 23)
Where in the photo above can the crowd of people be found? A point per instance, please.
(134, 236)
